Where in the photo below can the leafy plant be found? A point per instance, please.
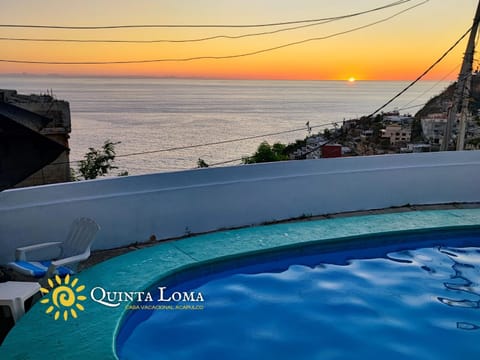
(267, 153)
(98, 162)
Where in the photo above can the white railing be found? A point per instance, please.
(132, 209)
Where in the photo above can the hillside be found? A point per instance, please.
(442, 101)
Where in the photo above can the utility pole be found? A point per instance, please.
(462, 91)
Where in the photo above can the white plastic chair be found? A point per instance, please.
(74, 249)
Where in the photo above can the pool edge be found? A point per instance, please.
(38, 336)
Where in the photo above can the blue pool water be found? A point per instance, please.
(403, 298)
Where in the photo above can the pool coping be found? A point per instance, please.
(38, 336)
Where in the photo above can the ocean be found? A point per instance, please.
(161, 116)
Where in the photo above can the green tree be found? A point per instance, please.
(98, 162)
(298, 144)
(267, 153)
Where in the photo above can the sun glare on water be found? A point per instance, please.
(351, 79)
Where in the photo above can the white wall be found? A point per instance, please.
(130, 209)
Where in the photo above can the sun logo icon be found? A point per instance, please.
(63, 298)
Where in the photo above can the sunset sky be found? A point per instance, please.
(397, 49)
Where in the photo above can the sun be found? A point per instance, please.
(64, 298)
(351, 79)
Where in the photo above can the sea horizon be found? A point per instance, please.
(207, 78)
(162, 116)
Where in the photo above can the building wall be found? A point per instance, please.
(434, 125)
(58, 130)
(434, 129)
(131, 209)
(397, 134)
(56, 172)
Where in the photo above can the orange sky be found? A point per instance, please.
(398, 49)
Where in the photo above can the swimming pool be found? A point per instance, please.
(409, 296)
(95, 332)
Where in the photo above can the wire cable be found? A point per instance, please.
(256, 52)
(221, 142)
(197, 145)
(201, 145)
(422, 75)
(412, 107)
(407, 105)
(230, 37)
(32, 26)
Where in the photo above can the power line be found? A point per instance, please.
(423, 74)
(203, 145)
(230, 37)
(221, 142)
(225, 142)
(215, 37)
(186, 147)
(32, 26)
(407, 105)
(412, 107)
(215, 57)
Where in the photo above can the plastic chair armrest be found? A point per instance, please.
(21, 253)
(71, 259)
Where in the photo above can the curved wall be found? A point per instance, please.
(131, 209)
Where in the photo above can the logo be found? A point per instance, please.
(63, 299)
(115, 298)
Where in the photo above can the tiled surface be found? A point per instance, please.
(38, 336)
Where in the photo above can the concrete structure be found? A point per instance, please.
(395, 117)
(132, 209)
(58, 129)
(433, 128)
(312, 150)
(366, 134)
(397, 134)
(417, 148)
